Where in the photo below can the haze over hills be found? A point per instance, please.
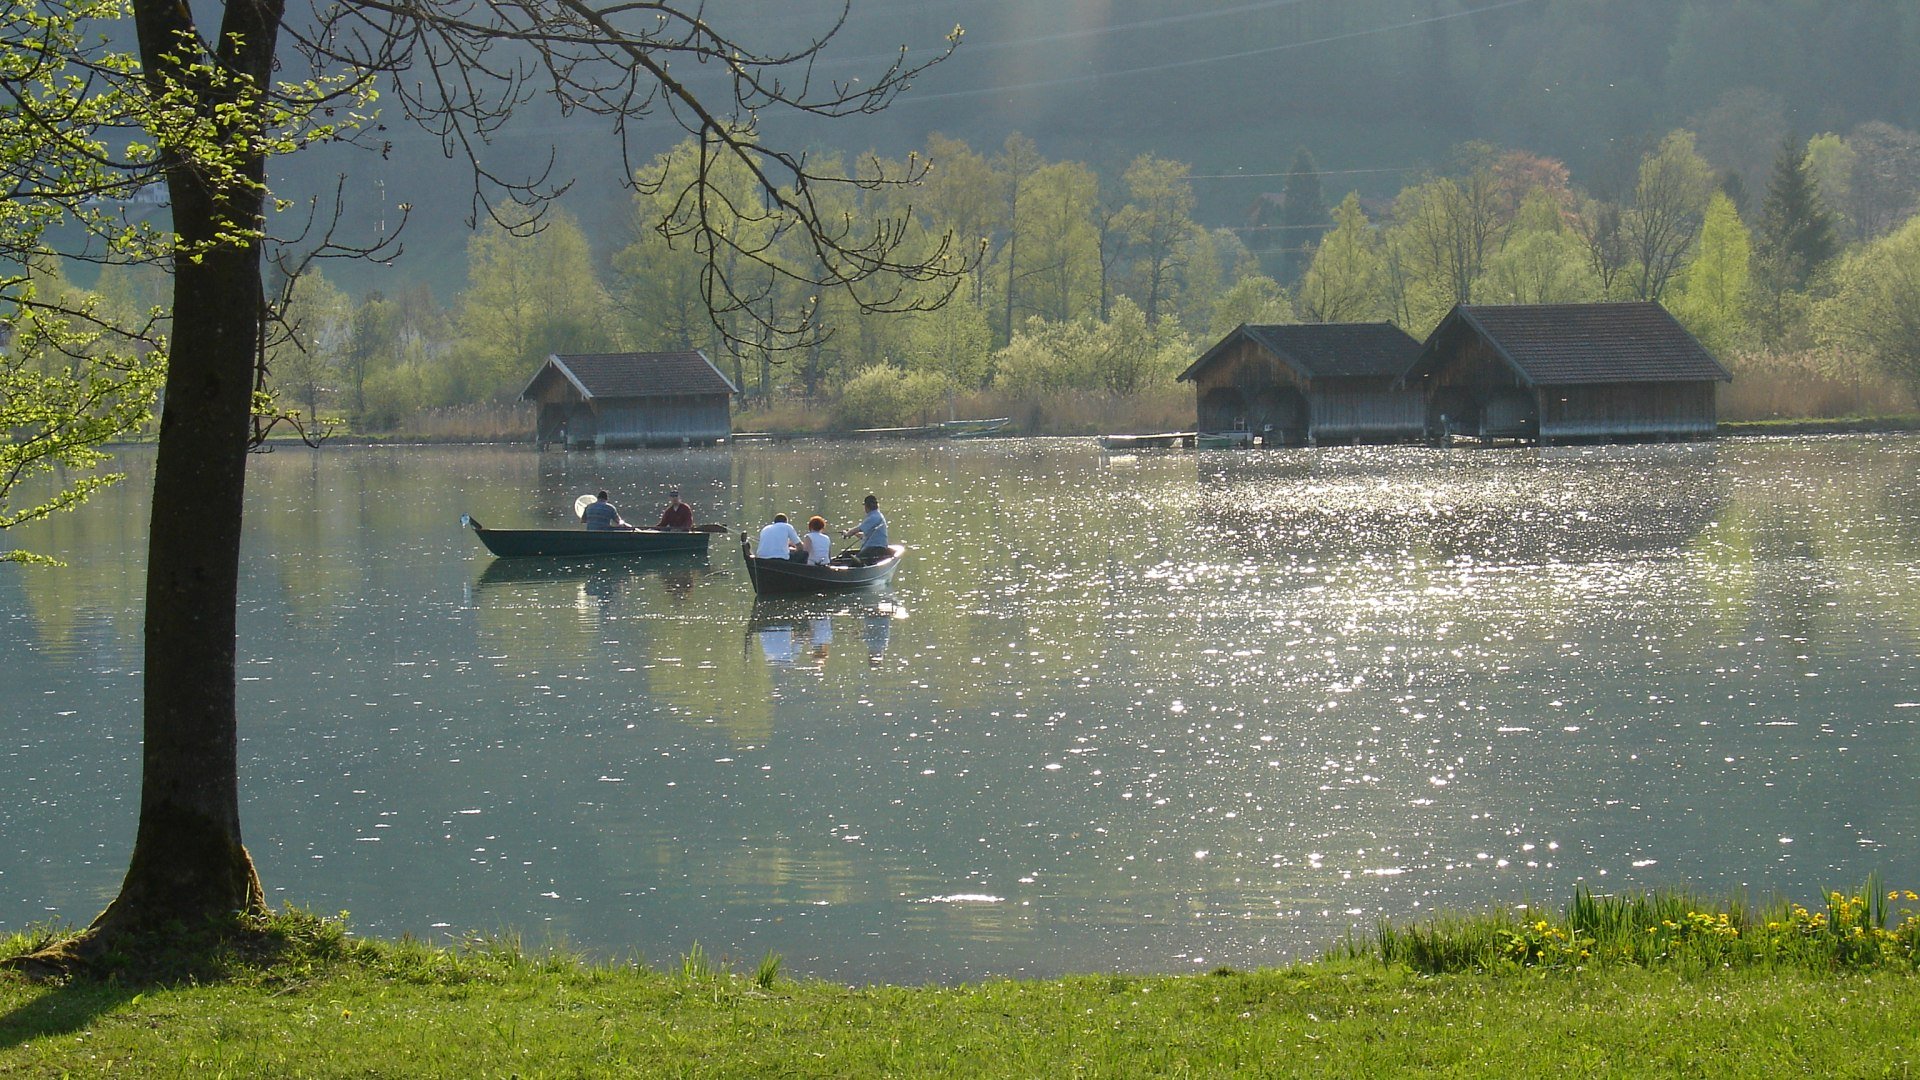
(1378, 90)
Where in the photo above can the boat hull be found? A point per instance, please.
(587, 543)
(775, 576)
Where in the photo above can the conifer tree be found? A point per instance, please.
(1797, 234)
(1303, 216)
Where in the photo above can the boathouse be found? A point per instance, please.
(1301, 383)
(1566, 373)
(631, 399)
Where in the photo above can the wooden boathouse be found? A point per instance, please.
(1301, 383)
(1566, 373)
(611, 400)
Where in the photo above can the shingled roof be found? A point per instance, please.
(1324, 350)
(1561, 344)
(631, 375)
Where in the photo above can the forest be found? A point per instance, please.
(1753, 165)
(1083, 296)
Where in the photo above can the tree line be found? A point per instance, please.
(1062, 285)
(1070, 284)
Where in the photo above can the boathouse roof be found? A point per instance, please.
(1322, 350)
(633, 375)
(1561, 344)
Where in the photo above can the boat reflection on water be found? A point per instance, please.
(597, 581)
(799, 630)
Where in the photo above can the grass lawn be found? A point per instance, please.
(1472, 998)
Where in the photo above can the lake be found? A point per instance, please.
(1150, 713)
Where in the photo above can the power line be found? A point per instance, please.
(1172, 65)
(971, 48)
(1304, 172)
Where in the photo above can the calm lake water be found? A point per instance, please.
(1153, 713)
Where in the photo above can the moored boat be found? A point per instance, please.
(1222, 440)
(1164, 440)
(581, 543)
(976, 429)
(771, 576)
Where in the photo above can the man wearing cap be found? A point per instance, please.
(872, 531)
(677, 515)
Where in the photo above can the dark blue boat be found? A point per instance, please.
(582, 543)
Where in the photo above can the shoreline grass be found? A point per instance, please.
(1715, 989)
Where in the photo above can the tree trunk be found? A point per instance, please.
(188, 862)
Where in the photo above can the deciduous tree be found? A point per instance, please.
(217, 69)
(1541, 261)
(1886, 177)
(1875, 308)
(1343, 283)
(1158, 224)
(527, 296)
(1063, 244)
(1254, 300)
(76, 370)
(1669, 202)
(1711, 297)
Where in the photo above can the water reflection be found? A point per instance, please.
(637, 483)
(799, 630)
(601, 579)
(1518, 507)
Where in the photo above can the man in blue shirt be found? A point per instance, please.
(872, 531)
(600, 514)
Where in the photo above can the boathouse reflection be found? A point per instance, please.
(1581, 504)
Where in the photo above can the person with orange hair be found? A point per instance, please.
(818, 543)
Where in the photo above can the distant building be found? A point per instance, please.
(1309, 383)
(631, 399)
(1566, 373)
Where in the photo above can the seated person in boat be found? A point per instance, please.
(818, 544)
(677, 515)
(872, 531)
(600, 514)
(779, 540)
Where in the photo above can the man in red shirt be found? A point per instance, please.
(677, 515)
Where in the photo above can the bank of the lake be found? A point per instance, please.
(504, 436)
(1830, 425)
(340, 1008)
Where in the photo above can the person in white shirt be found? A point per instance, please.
(819, 545)
(778, 539)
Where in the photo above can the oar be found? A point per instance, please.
(710, 527)
(580, 505)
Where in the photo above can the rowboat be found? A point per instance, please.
(1222, 440)
(976, 429)
(1165, 440)
(583, 543)
(771, 576)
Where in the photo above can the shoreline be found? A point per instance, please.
(1866, 425)
(1621, 986)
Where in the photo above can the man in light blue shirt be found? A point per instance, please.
(872, 531)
